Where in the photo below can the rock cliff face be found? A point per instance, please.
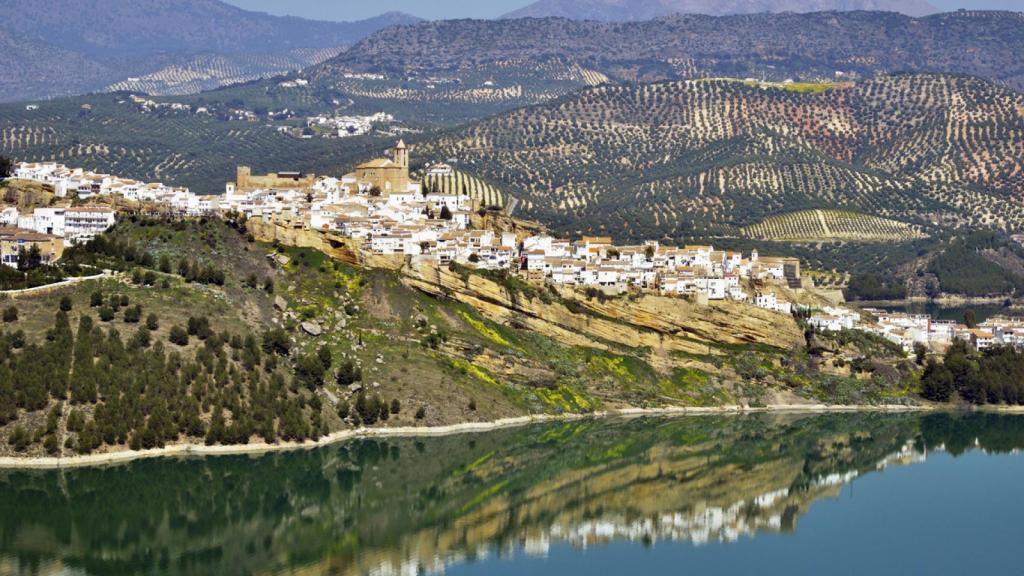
(661, 324)
(666, 332)
(341, 249)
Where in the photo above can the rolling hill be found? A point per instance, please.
(704, 157)
(631, 10)
(516, 62)
(106, 132)
(830, 225)
(78, 46)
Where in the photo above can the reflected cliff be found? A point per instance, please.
(418, 505)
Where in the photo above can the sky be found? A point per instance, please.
(346, 10)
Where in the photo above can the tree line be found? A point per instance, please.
(144, 392)
(994, 376)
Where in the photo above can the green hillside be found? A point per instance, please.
(550, 55)
(107, 133)
(707, 157)
(830, 225)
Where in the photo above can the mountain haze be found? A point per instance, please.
(77, 46)
(525, 61)
(633, 10)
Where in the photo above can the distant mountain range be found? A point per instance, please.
(509, 63)
(76, 46)
(633, 10)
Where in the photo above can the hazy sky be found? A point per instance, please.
(440, 9)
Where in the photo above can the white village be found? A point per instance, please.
(386, 213)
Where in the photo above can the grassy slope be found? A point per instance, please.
(473, 370)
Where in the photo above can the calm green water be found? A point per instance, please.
(763, 494)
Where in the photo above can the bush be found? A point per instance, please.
(310, 371)
(152, 321)
(199, 327)
(324, 354)
(106, 313)
(76, 421)
(66, 304)
(133, 314)
(96, 299)
(11, 314)
(20, 438)
(142, 338)
(396, 406)
(421, 413)
(349, 373)
(178, 336)
(275, 341)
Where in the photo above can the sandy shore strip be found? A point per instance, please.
(180, 450)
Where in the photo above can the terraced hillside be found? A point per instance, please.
(530, 60)
(707, 156)
(194, 74)
(463, 183)
(452, 96)
(825, 225)
(107, 133)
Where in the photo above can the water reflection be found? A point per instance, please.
(417, 505)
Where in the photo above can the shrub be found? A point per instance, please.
(141, 339)
(349, 373)
(76, 421)
(178, 336)
(421, 413)
(106, 313)
(66, 304)
(310, 371)
(152, 321)
(96, 299)
(11, 314)
(20, 438)
(396, 406)
(275, 341)
(133, 314)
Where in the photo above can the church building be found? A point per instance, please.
(387, 176)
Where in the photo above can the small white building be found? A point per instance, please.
(84, 223)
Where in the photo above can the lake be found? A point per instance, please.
(755, 494)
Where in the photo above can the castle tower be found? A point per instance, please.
(242, 175)
(401, 154)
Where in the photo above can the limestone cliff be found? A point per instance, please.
(661, 324)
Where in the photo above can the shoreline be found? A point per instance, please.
(941, 302)
(255, 448)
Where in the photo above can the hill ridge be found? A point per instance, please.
(711, 155)
(632, 10)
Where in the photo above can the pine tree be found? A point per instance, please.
(83, 378)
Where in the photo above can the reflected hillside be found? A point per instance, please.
(409, 505)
